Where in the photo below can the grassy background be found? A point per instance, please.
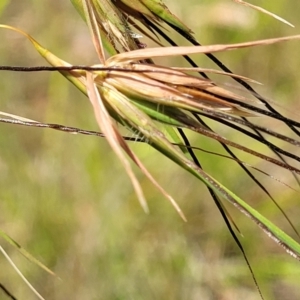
(67, 200)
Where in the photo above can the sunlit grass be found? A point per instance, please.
(67, 200)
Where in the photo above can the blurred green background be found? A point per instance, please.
(67, 200)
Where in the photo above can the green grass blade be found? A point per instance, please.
(24, 252)
(157, 139)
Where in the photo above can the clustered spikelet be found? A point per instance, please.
(128, 87)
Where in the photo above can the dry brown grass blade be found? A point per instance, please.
(183, 81)
(25, 280)
(213, 71)
(113, 96)
(112, 135)
(117, 142)
(94, 29)
(144, 88)
(194, 94)
(141, 54)
(15, 117)
(170, 75)
(174, 78)
(260, 9)
(213, 102)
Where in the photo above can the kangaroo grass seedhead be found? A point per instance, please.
(144, 94)
(154, 101)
